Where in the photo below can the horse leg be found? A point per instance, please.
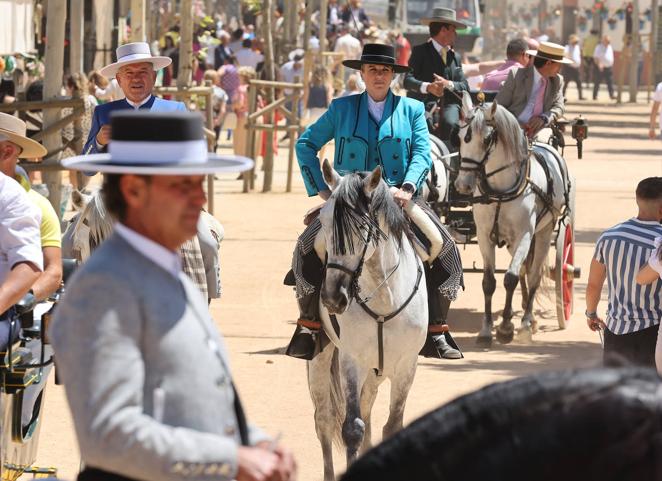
(506, 330)
(400, 385)
(353, 429)
(489, 286)
(534, 276)
(321, 374)
(368, 395)
(522, 283)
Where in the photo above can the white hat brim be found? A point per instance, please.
(534, 53)
(30, 149)
(109, 71)
(214, 164)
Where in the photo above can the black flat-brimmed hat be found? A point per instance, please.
(157, 143)
(376, 54)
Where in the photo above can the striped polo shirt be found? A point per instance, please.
(623, 250)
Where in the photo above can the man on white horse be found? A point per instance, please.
(534, 94)
(370, 129)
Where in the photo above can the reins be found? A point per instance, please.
(355, 290)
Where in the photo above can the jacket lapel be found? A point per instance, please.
(386, 122)
(362, 122)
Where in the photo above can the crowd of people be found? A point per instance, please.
(128, 390)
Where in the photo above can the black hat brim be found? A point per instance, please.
(356, 65)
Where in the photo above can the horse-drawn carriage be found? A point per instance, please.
(24, 370)
(457, 209)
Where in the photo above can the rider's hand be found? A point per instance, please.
(533, 126)
(436, 88)
(651, 133)
(257, 464)
(103, 137)
(402, 197)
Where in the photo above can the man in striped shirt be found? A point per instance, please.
(633, 311)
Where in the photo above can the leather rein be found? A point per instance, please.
(355, 290)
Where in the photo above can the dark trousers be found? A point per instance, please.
(587, 70)
(449, 121)
(637, 348)
(572, 74)
(602, 75)
(93, 474)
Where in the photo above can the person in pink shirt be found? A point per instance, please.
(516, 58)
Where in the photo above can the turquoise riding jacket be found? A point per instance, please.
(398, 142)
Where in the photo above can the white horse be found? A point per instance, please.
(518, 199)
(374, 287)
(93, 223)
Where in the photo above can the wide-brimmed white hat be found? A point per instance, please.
(551, 51)
(136, 52)
(443, 15)
(296, 54)
(13, 129)
(157, 143)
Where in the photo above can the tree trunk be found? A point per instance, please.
(138, 21)
(635, 49)
(324, 4)
(52, 83)
(309, 24)
(77, 39)
(185, 45)
(269, 74)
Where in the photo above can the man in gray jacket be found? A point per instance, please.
(145, 370)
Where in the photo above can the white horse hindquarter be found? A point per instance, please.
(538, 176)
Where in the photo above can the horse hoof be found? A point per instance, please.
(505, 336)
(484, 341)
(524, 335)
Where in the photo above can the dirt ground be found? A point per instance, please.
(257, 313)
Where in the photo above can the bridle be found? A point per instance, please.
(355, 290)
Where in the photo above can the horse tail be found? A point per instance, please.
(337, 400)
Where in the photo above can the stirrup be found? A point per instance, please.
(305, 340)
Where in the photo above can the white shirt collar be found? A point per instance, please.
(162, 257)
(139, 104)
(375, 108)
(438, 46)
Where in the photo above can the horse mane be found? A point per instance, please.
(508, 130)
(354, 210)
(99, 220)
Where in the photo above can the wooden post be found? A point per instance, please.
(308, 23)
(324, 4)
(635, 48)
(138, 21)
(293, 137)
(250, 137)
(54, 62)
(270, 74)
(185, 45)
(76, 44)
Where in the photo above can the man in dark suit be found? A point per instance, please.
(437, 71)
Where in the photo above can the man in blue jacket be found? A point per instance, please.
(370, 129)
(135, 71)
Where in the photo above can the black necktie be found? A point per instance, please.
(241, 418)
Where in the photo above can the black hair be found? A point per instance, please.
(515, 48)
(650, 189)
(247, 43)
(435, 28)
(539, 62)
(238, 34)
(583, 425)
(112, 195)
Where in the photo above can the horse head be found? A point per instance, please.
(88, 228)
(353, 221)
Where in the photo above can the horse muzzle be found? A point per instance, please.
(335, 298)
(465, 183)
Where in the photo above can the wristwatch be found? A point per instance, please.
(408, 187)
(591, 315)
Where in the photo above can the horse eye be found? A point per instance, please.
(467, 136)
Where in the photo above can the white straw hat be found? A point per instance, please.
(136, 52)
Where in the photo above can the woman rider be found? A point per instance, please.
(370, 129)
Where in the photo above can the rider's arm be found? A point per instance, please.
(410, 82)
(19, 242)
(308, 146)
(51, 246)
(505, 95)
(420, 163)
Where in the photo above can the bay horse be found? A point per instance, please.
(519, 194)
(373, 308)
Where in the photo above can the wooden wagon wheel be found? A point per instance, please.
(565, 273)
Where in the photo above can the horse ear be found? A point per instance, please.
(494, 108)
(331, 177)
(372, 181)
(79, 200)
(467, 104)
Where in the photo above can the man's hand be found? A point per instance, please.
(533, 126)
(595, 323)
(651, 133)
(266, 463)
(103, 137)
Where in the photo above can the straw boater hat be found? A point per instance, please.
(157, 143)
(136, 52)
(550, 51)
(443, 15)
(377, 54)
(13, 129)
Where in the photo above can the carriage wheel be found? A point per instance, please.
(565, 273)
